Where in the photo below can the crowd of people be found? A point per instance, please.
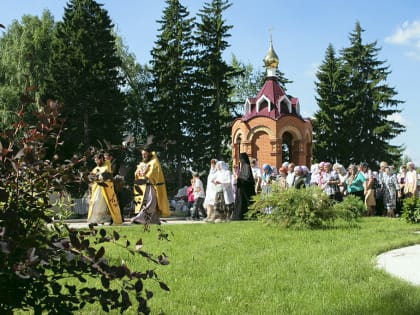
(382, 191)
(228, 193)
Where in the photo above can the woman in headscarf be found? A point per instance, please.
(266, 178)
(223, 205)
(210, 191)
(245, 188)
(299, 181)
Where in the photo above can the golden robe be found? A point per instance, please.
(151, 171)
(107, 192)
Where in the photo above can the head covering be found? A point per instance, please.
(410, 164)
(285, 164)
(267, 168)
(222, 164)
(339, 168)
(305, 169)
(243, 158)
(297, 168)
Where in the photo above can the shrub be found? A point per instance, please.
(350, 209)
(308, 208)
(411, 210)
(38, 255)
(294, 208)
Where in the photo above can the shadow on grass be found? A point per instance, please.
(403, 300)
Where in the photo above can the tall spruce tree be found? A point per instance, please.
(171, 86)
(328, 120)
(211, 129)
(85, 76)
(354, 122)
(369, 104)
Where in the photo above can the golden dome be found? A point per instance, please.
(271, 60)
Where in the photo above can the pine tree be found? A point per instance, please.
(171, 90)
(369, 104)
(328, 120)
(213, 90)
(85, 76)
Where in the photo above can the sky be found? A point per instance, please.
(301, 31)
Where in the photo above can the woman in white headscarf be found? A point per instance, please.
(210, 191)
(224, 201)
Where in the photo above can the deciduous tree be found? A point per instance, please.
(25, 49)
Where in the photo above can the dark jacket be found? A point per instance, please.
(245, 188)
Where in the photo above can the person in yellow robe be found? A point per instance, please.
(150, 197)
(103, 202)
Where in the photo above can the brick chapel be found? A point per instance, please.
(272, 129)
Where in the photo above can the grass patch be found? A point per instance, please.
(249, 268)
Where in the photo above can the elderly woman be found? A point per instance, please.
(300, 179)
(342, 174)
(266, 178)
(355, 182)
(224, 200)
(329, 182)
(314, 175)
(410, 186)
(390, 189)
(281, 179)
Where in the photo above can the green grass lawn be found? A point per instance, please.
(249, 268)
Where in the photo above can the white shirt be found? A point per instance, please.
(290, 179)
(256, 172)
(198, 188)
(211, 188)
(224, 177)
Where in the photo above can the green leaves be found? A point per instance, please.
(308, 208)
(411, 210)
(39, 255)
